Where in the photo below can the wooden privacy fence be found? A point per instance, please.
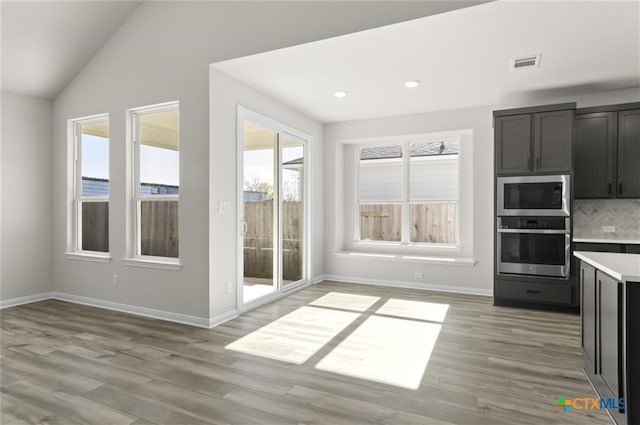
(258, 239)
(158, 227)
(429, 223)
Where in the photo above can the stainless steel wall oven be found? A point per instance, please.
(538, 246)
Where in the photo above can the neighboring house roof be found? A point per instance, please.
(297, 161)
(95, 186)
(416, 149)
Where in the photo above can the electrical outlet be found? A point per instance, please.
(418, 275)
(116, 280)
(229, 287)
(609, 229)
(224, 207)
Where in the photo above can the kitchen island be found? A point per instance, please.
(610, 330)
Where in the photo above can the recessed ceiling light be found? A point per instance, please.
(340, 93)
(412, 83)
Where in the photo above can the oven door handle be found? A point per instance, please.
(536, 231)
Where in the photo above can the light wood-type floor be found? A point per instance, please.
(329, 354)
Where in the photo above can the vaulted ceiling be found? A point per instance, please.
(46, 43)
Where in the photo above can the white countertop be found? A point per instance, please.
(602, 240)
(623, 267)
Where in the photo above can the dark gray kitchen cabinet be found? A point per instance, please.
(553, 136)
(536, 140)
(513, 143)
(609, 323)
(629, 154)
(588, 317)
(610, 334)
(607, 152)
(595, 146)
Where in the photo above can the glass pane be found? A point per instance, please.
(434, 222)
(94, 158)
(433, 171)
(380, 222)
(159, 135)
(292, 209)
(260, 203)
(95, 226)
(159, 228)
(380, 173)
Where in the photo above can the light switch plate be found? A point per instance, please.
(224, 207)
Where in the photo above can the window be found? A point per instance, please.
(90, 205)
(156, 180)
(408, 192)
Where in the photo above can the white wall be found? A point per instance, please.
(476, 197)
(226, 93)
(25, 264)
(162, 53)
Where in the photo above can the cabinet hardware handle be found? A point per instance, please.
(620, 188)
(609, 188)
(531, 291)
(528, 162)
(537, 162)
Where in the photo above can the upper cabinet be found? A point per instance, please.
(629, 154)
(607, 152)
(534, 140)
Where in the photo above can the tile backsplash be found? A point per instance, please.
(591, 215)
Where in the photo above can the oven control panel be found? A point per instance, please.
(551, 223)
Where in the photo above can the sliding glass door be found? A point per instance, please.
(272, 218)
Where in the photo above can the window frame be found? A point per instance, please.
(74, 190)
(405, 202)
(135, 197)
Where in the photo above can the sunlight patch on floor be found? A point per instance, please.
(345, 301)
(387, 350)
(294, 338)
(421, 310)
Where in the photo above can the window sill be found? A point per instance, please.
(408, 247)
(95, 257)
(153, 263)
(422, 259)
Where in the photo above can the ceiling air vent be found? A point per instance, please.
(527, 62)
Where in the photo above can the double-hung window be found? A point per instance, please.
(156, 181)
(408, 192)
(90, 205)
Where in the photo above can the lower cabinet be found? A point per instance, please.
(609, 338)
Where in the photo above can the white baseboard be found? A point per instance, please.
(12, 302)
(410, 285)
(185, 319)
(221, 318)
(318, 279)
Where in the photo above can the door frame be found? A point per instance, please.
(244, 113)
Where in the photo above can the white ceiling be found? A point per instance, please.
(45, 44)
(461, 57)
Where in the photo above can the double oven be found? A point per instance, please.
(534, 226)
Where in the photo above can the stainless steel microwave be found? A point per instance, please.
(534, 196)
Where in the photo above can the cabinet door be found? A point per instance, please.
(629, 154)
(594, 155)
(553, 137)
(588, 315)
(608, 335)
(513, 144)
